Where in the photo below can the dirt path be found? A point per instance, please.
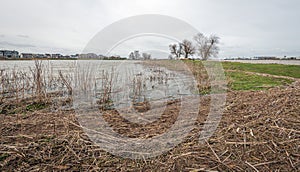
(265, 74)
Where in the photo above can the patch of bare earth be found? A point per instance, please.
(259, 131)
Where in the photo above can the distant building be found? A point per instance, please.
(75, 56)
(48, 56)
(66, 57)
(266, 58)
(26, 55)
(100, 56)
(9, 54)
(39, 56)
(291, 58)
(32, 55)
(89, 56)
(56, 56)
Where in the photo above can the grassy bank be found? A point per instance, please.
(273, 69)
(245, 76)
(245, 81)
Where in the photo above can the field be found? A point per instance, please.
(272, 69)
(247, 76)
(259, 129)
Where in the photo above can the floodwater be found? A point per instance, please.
(286, 62)
(124, 70)
(131, 82)
(69, 64)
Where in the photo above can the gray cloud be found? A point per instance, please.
(246, 28)
(9, 44)
(23, 36)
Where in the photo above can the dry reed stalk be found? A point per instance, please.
(67, 83)
(107, 83)
(38, 80)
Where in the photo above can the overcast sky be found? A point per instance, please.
(246, 28)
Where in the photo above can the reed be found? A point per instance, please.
(107, 83)
(38, 81)
(67, 82)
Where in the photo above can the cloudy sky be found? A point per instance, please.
(246, 28)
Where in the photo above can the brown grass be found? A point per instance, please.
(259, 131)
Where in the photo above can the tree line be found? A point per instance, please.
(204, 46)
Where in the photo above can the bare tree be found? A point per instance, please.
(176, 50)
(187, 48)
(146, 56)
(207, 46)
(131, 56)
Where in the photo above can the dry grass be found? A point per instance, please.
(259, 131)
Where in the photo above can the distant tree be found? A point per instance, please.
(146, 56)
(176, 50)
(187, 48)
(131, 56)
(207, 46)
(137, 55)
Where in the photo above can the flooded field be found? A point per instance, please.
(110, 83)
(125, 90)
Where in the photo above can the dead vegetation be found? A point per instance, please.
(259, 131)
